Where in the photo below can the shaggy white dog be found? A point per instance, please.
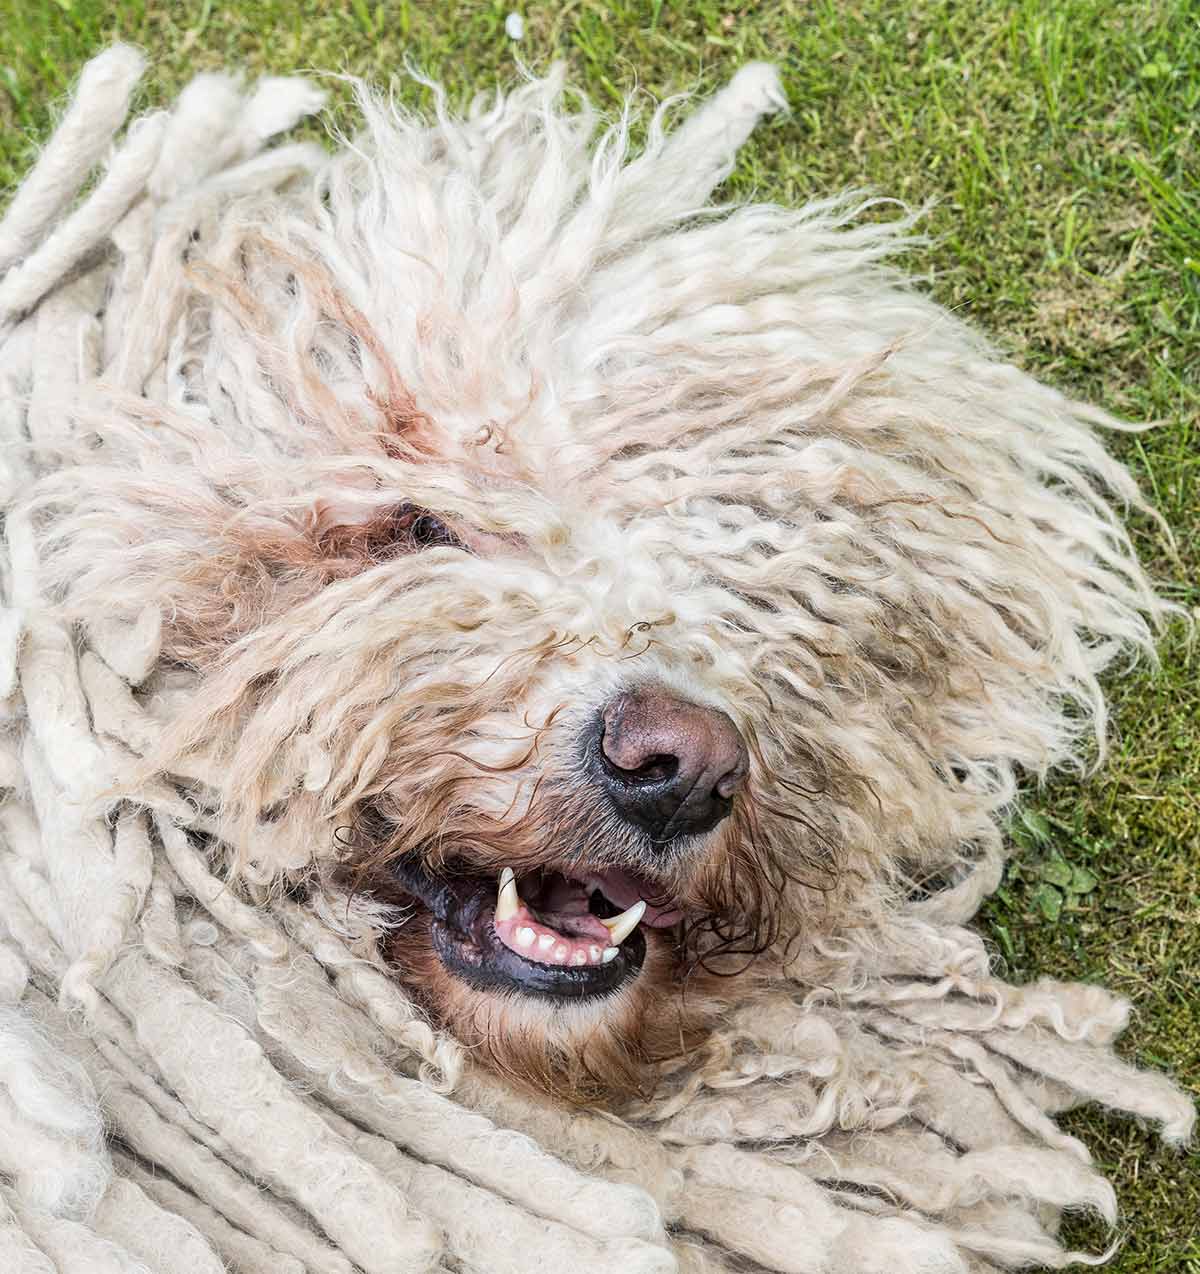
(493, 643)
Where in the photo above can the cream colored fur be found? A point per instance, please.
(729, 445)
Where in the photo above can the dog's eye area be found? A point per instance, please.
(417, 528)
(394, 531)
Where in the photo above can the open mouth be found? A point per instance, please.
(549, 934)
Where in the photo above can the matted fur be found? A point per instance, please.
(727, 450)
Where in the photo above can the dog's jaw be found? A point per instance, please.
(583, 1049)
(564, 944)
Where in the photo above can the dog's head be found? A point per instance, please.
(624, 592)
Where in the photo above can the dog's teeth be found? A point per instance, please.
(610, 953)
(508, 901)
(545, 942)
(579, 958)
(525, 936)
(560, 953)
(620, 927)
(594, 954)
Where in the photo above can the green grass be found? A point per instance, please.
(1060, 142)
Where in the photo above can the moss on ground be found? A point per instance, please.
(1059, 141)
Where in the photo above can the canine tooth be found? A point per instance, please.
(508, 901)
(620, 927)
(610, 953)
(525, 936)
(546, 941)
(579, 958)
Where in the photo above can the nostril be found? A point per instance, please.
(660, 768)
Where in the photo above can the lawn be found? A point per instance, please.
(1059, 143)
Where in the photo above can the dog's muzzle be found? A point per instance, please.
(670, 771)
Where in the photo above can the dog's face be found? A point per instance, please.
(623, 600)
(593, 803)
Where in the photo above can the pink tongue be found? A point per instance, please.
(536, 941)
(623, 889)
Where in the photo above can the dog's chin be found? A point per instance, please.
(588, 1049)
(545, 994)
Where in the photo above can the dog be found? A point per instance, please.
(621, 597)
(514, 677)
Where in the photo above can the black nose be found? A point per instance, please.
(669, 766)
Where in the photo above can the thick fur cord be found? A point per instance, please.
(204, 1069)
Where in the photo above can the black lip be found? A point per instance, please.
(457, 901)
(463, 936)
(483, 961)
